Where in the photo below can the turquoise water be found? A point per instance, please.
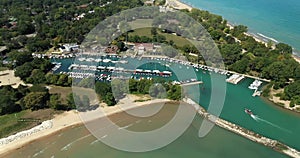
(276, 19)
(270, 121)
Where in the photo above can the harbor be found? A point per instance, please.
(240, 92)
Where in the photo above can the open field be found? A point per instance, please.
(178, 40)
(7, 77)
(63, 91)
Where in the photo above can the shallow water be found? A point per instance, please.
(77, 142)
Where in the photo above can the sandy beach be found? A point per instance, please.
(73, 118)
(296, 58)
(176, 4)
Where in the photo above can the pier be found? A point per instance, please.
(192, 83)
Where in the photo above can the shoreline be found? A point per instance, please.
(72, 118)
(177, 4)
(261, 39)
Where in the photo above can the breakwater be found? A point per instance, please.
(274, 144)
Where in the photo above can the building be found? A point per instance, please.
(142, 48)
(66, 49)
(149, 2)
(69, 47)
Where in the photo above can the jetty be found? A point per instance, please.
(274, 144)
(191, 83)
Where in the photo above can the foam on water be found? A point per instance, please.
(258, 119)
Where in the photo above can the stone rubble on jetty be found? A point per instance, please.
(44, 125)
(276, 145)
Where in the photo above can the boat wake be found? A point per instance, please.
(67, 147)
(258, 119)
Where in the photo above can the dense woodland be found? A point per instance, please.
(30, 26)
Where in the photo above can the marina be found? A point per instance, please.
(149, 66)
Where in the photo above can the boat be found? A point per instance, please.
(247, 111)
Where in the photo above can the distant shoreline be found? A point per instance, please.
(256, 35)
(259, 38)
(176, 4)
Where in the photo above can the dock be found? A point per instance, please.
(256, 93)
(192, 83)
(235, 78)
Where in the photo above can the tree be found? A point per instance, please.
(231, 53)
(102, 88)
(25, 28)
(133, 85)
(169, 51)
(51, 78)
(109, 99)
(37, 77)
(36, 100)
(119, 88)
(276, 71)
(292, 90)
(7, 105)
(63, 80)
(284, 48)
(238, 30)
(153, 31)
(24, 70)
(240, 66)
(55, 102)
(174, 92)
(121, 46)
(157, 91)
(70, 101)
(20, 57)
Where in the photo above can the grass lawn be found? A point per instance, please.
(141, 32)
(141, 23)
(178, 40)
(10, 124)
(63, 91)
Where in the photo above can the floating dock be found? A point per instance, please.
(235, 78)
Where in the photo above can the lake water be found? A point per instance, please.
(276, 19)
(270, 121)
(77, 142)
